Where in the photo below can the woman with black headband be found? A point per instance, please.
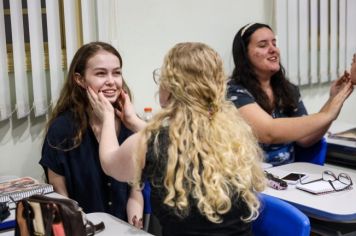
(270, 103)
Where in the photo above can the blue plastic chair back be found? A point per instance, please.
(315, 154)
(146, 192)
(279, 218)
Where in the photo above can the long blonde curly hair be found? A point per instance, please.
(212, 154)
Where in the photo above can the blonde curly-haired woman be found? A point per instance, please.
(200, 156)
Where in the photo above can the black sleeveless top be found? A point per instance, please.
(195, 223)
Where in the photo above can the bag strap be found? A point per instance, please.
(4, 211)
(91, 228)
(50, 209)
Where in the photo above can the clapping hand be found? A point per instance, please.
(338, 84)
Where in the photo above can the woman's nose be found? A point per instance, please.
(272, 48)
(110, 79)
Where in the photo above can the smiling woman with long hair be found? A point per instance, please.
(270, 103)
(70, 151)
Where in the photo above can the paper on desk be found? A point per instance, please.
(342, 133)
(349, 135)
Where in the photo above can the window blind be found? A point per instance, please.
(39, 30)
(54, 49)
(40, 103)
(316, 38)
(5, 103)
(18, 47)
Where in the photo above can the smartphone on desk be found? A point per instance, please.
(294, 178)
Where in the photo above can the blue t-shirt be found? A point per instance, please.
(275, 154)
(85, 180)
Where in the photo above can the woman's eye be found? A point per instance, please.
(117, 72)
(100, 73)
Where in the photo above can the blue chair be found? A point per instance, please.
(146, 192)
(279, 218)
(315, 154)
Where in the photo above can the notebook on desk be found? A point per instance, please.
(349, 135)
(19, 188)
(321, 187)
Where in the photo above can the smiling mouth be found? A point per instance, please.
(274, 58)
(109, 92)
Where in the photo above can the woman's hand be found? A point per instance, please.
(126, 113)
(138, 223)
(335, 103)
(338, 84)
(101, 106)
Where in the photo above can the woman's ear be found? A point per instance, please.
(79, 79)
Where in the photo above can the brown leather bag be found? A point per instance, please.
(42, 215)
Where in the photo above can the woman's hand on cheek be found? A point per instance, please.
(125, 111)
(102, 108)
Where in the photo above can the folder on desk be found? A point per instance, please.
(321, 187)
(349, 135)
(17, 189)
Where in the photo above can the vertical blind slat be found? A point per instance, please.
(71, 29)
(350, 31)
(293, 42)
(303, 42)
(324, 41)
(18, 46)
(314, 41)
(342, 36)
(281, 30)
(5, 104)
(88, 21)
(54, 48)
(37, 57)
(333, 39)
(102, 10)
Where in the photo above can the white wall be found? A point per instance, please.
(148, 29)
(145, 32)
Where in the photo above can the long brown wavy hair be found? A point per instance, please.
(73, 97)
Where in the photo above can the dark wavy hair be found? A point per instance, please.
(73, 97)
(244, 74)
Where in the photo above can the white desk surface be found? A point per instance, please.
(336, 206)
(114, 226)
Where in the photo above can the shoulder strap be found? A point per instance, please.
(91, 228)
